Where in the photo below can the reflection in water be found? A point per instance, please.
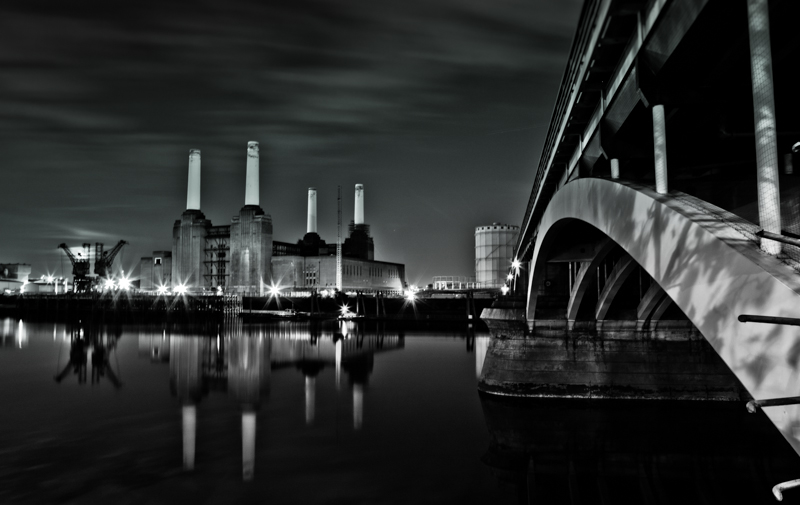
(570, 451)
(189, 431)
(85, 340)
(239, 359)
(358, 406)
(311, 383)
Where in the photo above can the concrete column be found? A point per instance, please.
(189, 431)
(359, 212)
(769, 206)
(248, 444)
(660, 148)
(251, 187)
(193, 188)
(311, 227)
(614, 168)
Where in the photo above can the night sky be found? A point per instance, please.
(439, 107)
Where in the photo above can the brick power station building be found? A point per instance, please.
(242, 257)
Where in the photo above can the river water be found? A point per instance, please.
(340, 413)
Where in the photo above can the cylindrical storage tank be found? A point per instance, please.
(494, 252)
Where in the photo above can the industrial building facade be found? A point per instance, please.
(494, 252)
(243, 258)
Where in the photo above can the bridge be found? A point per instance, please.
(665, 198)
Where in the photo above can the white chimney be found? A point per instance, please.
(251, 187)
(311, 227)
(193, 189)
(359, 214)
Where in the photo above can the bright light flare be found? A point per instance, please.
(125, 283)
(162, 289)
(180, 289)
(504, 290)
(50, 279)
(274, 289)
(345, 310)
(510, 277)
(109, 284)
(410, 296)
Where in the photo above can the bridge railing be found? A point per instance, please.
(568, 85)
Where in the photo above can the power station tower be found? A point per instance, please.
(339, 243)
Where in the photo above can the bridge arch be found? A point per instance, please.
(708, 263)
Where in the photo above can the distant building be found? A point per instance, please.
(243, 258)
(14, 275)
(453, 282)
(494, 252)
(155, 270)
(311, 263)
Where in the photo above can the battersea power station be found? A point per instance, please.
(242, 257)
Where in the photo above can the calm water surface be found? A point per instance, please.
(290, 413)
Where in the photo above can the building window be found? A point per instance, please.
(157, 261)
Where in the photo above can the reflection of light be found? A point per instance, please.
(343, 327)
(22, 336)
(189, 430)
(481, 346)
(180, 289)
(248, 445)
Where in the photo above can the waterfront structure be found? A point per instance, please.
(494, 252)
(659, 198)
(242, 257)
(14, 275)
(311, 262)
(453, 282)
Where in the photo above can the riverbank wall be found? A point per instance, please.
(672, 362)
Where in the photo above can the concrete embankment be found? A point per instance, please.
(674, 362)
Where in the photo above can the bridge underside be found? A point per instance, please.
(611, 255)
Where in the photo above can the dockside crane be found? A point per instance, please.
(81, 282)
(103, 260)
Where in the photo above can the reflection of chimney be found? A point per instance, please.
(189, 430)
(359, 213)
(248, 444)
(193, 189)
(338, 358)
(358, 406)
(251, 187)
(312, 211)
(311, 383)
